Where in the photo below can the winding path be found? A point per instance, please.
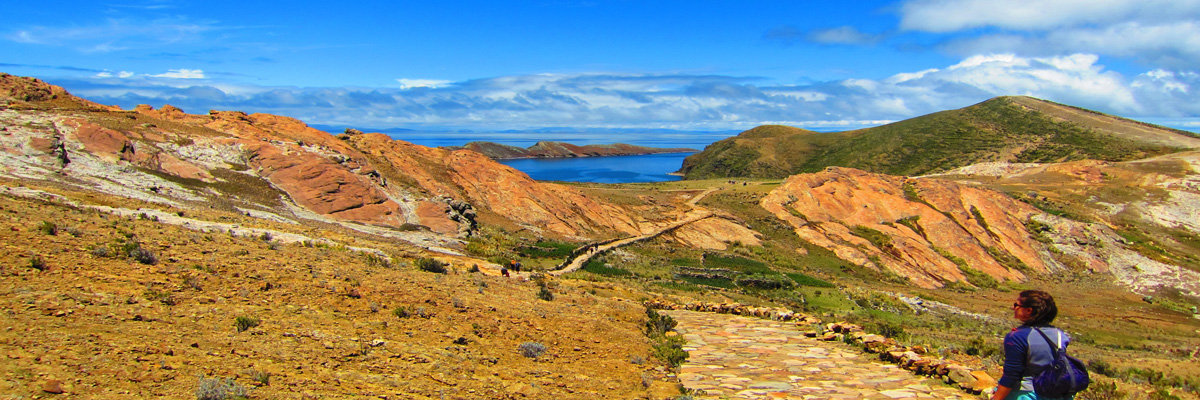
(736, 357)
(581, 256)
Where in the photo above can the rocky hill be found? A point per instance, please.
(546, 149)
(279, 168)
(1003, 129)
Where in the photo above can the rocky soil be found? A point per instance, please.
(85, 318)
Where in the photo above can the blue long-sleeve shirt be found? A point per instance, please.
(1026, 354)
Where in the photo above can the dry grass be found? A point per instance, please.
(111, 328)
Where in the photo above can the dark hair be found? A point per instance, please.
(1041, 307)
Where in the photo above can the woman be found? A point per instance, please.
(1026, 352)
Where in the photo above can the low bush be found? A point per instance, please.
(244, 323)
(36, 262)
(220, 389)
(48, 228)
(430, 265)
(544, 293)
(532, 349)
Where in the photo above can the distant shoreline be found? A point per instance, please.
(551, 150)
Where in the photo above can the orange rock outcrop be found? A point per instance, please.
(915, 228)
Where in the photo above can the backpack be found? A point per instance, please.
(1063, 377)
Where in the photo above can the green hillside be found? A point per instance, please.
(1012, 129)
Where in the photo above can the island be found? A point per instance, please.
(549, 149)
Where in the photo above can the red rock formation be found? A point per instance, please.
(921, 222)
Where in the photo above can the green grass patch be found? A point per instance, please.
(877, 238)
(600, 268)
(686, 262)
(546, 249)
(806, 280)
(736, 263)
(724, 283)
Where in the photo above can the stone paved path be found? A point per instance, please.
(735, 357)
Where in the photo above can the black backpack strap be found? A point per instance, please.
(1051, 343)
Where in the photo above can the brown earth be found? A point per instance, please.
(111, 327)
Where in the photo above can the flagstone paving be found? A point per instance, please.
(736, 357)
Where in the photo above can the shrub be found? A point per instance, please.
(376, 260)
(36, 262)
(220, 389)
(260, 377)
(401, 312)
(48, 228)
(244, 323)
(142, 255)
(430, 265)
(657, 324)
(670, 350)
(532, 349)
(160, 296)
(545, 294)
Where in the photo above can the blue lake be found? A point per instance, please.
(617, 169)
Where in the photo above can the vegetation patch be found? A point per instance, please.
(878, 239)
(736, 263)
(808, 280)
(601, 268)
(546, 249)
(668, 348)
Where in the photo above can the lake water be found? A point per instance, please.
(616, 169)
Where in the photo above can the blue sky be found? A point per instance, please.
(688, 65)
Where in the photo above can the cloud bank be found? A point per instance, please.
(674, 101)
(1155, 32)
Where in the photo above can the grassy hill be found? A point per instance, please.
(1011, 129)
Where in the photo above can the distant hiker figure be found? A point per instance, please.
(503, 270)
(514, 265)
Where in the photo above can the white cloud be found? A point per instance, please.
(1158, 32)
(416, 83)
(181, 74)
(122, 74)
(957, 15)
(682, 101)
(115, 34)
(842, 35)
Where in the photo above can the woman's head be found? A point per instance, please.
(1040, 306)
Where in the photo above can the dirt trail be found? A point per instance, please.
(581, 256)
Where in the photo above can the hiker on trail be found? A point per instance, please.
(503, 270)
(1026, 352)
(514, 265)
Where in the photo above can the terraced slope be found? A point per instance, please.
(1003, 129)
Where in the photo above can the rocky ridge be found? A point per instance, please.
(280, 168)
(934, 231)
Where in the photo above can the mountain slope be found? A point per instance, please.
(1003, 129)
(279, 168)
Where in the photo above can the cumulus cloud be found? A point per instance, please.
(1158, 32)
(679, 101)
(956, 15)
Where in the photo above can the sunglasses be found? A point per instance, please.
(1018, 305)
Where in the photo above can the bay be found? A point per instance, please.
(614, 169)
